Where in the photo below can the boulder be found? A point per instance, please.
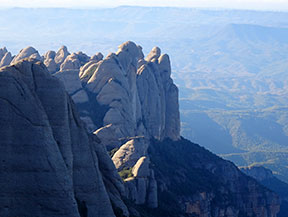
(129, 153)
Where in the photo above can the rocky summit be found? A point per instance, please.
(62, 111)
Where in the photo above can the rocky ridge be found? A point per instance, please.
(129, 101)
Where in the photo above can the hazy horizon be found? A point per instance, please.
(267, 5)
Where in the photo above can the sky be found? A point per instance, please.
(277, 5)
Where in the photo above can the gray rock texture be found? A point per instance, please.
(74, 61)
(130, 152)
(61, 55)
(50, 166)
(25, 53)
(159, 97)
(6, 59)
(3, 51)
(49, 61)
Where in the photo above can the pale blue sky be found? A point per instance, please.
(240, 4)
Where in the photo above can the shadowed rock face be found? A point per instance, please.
(50, 166)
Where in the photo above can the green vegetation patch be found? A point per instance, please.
(126, 173)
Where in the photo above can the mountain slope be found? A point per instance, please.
(196, 182)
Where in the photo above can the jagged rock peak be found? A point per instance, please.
(3, 51)
(70, 62)
(74, 61)
(25, 53)
(61, 55)
(129, 47)
(165, 67)
(50, 54)
(154, 54)
(97, 57)
(6, 59)
(128, 53)
(49, 61)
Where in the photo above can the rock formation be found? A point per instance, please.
(138, 101)
(25, 53)
(5, 57)
(50, 165)
(49, 61)
(130, 104)
(124, 99)
(61, 55)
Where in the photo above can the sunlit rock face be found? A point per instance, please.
(50, 165)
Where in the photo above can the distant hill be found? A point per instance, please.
(238, 89)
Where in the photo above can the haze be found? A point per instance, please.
(279, 5)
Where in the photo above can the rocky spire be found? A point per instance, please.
(25, 53)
